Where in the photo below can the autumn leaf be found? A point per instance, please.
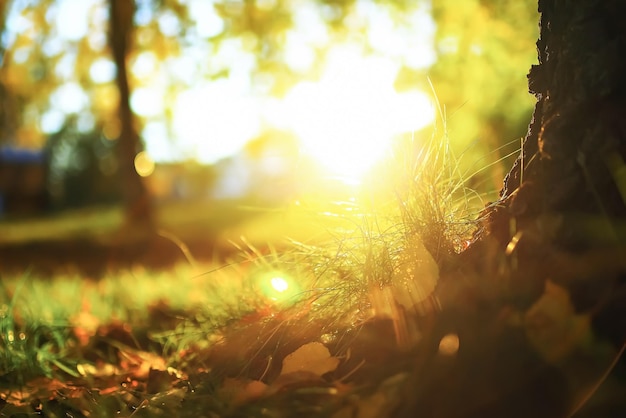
(141, 362)
(242, 390)
(313, 357)
(553, 326)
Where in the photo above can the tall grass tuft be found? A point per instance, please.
(31, 346)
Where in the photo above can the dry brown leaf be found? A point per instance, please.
(242, 390)
(255, 389)
(141, 362)
(313, 357)
(553, 327)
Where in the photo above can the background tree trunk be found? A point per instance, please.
(560, 224)
(136, 196)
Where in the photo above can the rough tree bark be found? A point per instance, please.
(566, 194)
(136, 196)
(560, 224)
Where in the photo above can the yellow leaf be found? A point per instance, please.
(312, 357)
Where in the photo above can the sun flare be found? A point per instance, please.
(347, 119)
(279, 284)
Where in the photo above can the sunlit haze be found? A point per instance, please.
(347, 119)
(344, 117)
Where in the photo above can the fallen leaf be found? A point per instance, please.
(141, 362)
(255, 389)
(553, 326)
(242, 390)
(299, 379)
(313, 357)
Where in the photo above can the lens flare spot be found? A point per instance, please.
(279, 287)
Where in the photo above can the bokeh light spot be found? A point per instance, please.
(147, 101)
(69, 98)
(144, 165)
(102, 70)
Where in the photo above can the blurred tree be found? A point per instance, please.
(136, 196)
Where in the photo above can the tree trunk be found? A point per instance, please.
(564, 201)
(136, 196)
(558, 231)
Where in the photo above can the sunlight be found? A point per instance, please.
(279, 284)
(347, 120)
(215, 120)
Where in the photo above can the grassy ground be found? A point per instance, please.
(302, 316)
(339, 321)
(268, 334)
